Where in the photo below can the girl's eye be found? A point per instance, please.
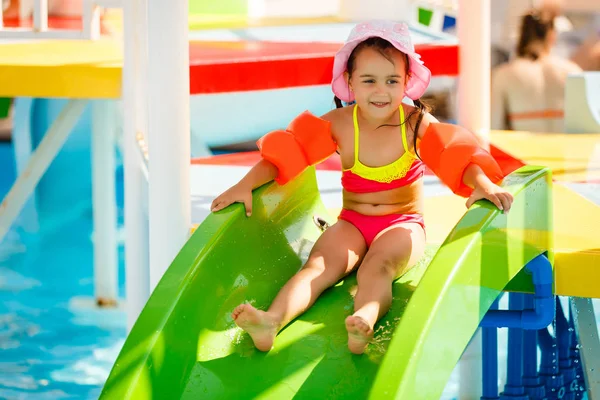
(369, 81)
(392, 81)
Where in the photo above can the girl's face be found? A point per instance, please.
(379, 82)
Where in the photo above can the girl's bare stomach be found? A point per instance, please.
(402, 200)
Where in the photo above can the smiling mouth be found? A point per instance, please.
(379, 103)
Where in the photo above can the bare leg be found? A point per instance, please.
(334, 255)
(390, 255)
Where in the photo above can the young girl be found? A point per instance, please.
(381, 226)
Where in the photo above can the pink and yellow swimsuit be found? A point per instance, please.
(363, 179)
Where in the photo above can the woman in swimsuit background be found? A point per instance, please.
(380, 230)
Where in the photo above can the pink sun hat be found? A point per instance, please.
(398, 34)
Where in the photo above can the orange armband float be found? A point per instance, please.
(306, 141)
(449, 149)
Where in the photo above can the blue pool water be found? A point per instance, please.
(53, 343)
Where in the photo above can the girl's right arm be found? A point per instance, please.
(308, 140)
(263, 172)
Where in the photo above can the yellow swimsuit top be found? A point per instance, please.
(386, 173)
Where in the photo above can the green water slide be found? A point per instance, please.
(185, 344)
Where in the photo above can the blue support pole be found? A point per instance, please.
(489, 353)
(542, 313)
(533, 384)
(563, 338)
(514, 388)
(536, 314)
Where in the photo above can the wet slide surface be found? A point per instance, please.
(185, 344)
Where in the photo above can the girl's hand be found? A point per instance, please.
(236, 194)
(492, 192)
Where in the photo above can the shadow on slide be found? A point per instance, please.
(185, 344)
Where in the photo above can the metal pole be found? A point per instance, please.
(586, 327)
(169, 132)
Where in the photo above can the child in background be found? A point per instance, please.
(380, 229)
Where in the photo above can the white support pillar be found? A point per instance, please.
(169, 132)
(40, 15)
(474, 66)
(106, 281)
(90, 20)
(135, 104)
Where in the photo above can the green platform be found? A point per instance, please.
(185, 344)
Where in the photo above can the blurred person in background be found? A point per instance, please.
(505, 24)
(527, 92)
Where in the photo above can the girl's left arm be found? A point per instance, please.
(484, 188)
(473, 176)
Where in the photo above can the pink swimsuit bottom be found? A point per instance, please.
(371, 225)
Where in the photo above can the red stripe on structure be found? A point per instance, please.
(218, 67)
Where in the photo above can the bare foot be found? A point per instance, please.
(261, 327)
(359, 334)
